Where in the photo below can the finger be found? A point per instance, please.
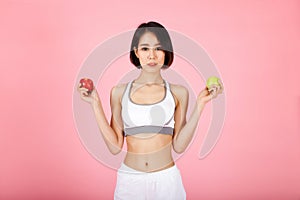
(211, 92)
(83, 93)
(210, 97)
(220, 82)
(219, 91)
(213, 96)
(215, 92)
(86, 93)
(85, 98)
(203, 93)
(206, 90)
(222, 88)
(213, 89)
(83, 89)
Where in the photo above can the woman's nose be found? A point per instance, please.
(152, 53)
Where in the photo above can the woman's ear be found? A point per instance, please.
(136, 52)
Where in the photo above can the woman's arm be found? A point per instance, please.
(184, 130)
(112, 133)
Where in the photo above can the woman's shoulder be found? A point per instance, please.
(118, 90)
(179, 91)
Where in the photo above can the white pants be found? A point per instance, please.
(161, 185)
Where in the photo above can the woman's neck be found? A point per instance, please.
(149, 78)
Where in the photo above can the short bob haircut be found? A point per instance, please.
(162, 36)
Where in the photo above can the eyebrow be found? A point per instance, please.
(149, 45)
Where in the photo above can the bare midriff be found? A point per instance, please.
(149, 152)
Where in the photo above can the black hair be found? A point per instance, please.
(162, 36)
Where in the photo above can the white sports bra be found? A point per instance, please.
(148, 118)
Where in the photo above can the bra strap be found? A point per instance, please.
(167, 85)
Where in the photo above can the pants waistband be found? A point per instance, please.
(126, 169)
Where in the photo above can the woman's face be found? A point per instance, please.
(149, 52)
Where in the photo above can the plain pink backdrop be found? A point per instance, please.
(255, 45)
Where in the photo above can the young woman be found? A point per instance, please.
(151, 114)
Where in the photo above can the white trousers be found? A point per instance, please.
(160, 185)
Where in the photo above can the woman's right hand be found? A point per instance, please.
(91, 97)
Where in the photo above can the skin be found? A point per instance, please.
(149, 152)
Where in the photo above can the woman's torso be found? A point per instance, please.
(148, 151)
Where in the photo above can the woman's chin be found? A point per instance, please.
(152, 67)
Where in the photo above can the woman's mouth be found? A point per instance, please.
(152, 64)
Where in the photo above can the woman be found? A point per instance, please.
(151, 114)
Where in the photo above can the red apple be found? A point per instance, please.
(87, 83)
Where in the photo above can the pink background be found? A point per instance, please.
(254, 44)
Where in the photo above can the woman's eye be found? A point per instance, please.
(158, 49)
(144, 49)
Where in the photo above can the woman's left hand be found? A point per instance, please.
(206, 95)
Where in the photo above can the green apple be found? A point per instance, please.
(212, 81)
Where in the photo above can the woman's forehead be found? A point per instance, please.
(148, 39)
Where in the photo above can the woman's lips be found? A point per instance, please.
(152, 64)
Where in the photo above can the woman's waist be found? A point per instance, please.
(145, 143)
(149, 154)
(146, 163)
